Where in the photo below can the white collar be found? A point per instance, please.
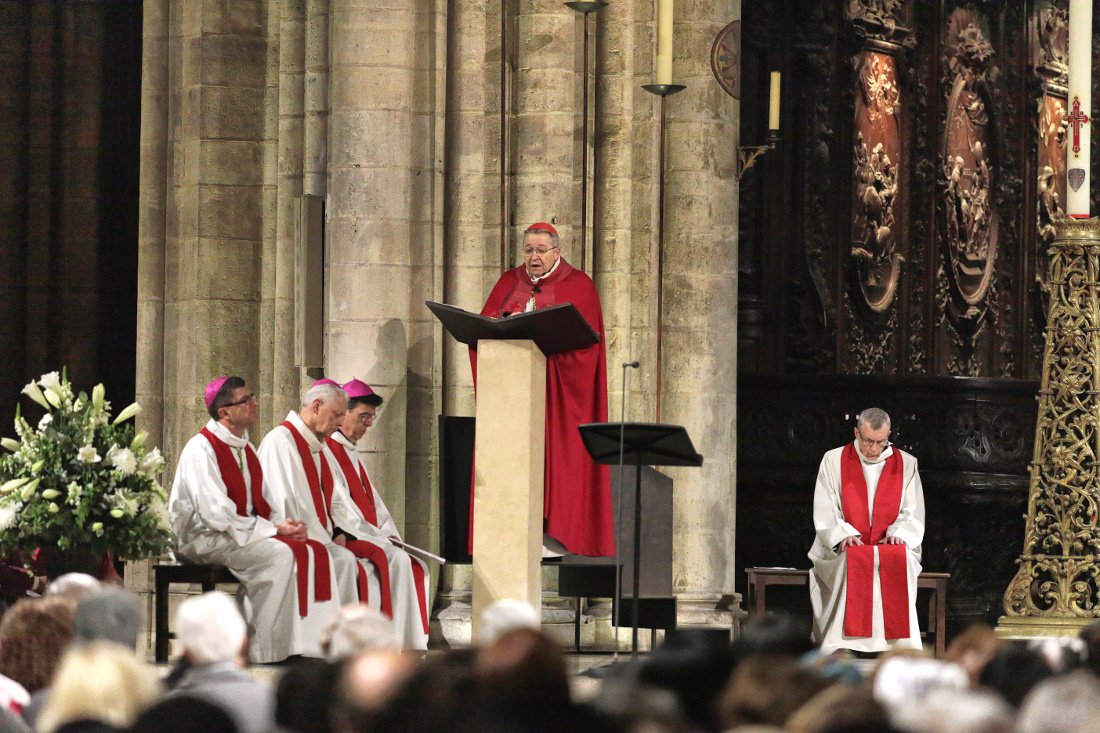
(537, 280)
(315, 445)
(226, 436)
(343, 440)
(889, 451)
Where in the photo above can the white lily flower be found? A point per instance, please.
(88, 454)
(129, 411)
(153, 461)
(53, 398)
(45, 422)
(53, 508)
(98, 393)
(29, 489)
(32, 391)
(51, 494)
(51, 381)
(139, 441)
(15, 483)
(10, 443)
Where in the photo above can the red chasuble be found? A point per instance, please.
(577, 500)
(233, 478)
(893, 559)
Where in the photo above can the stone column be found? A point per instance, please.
(384, 223)
(700, 314)
(544, 102)
(153, 181)
(214, 208)
(280, 381)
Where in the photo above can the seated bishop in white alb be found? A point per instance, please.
(869, 520)
(298, 478)
(220, 516)
(361, 515)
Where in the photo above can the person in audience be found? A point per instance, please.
(357, 629)
(504, 615)
(221, 515)
(766, 691)
(214, 638)
(299, 688)
(99, 686)
(868, 515)
(109, 614)
(33, 636)
(1013, 671)
(184, 714)
(367, 527)
(1090, 635)
(954, 711)
(75, 586)
(367, 686)
(841, 708)
(973, 649)
(1067, 703)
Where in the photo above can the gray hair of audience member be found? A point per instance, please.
(210, 628)
(356, 629)
(1068, 703)
(873, 417)
(112, 615)
(76, 586)
(324, 392)
(506, 615)
(954, 711)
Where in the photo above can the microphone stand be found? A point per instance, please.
(619, 513)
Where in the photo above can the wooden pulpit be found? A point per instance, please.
(510, 443)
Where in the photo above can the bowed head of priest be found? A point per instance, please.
(323, 408)
(363, 405)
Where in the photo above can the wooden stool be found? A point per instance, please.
(936, 623)
(206, 576)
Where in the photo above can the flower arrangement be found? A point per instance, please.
(80, 479)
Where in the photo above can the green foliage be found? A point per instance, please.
(79, 479)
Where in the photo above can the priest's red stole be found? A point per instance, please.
(893, 561)
(320, 486)
(361, 491)
(233, 478)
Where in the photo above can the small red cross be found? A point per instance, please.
(1076, 119)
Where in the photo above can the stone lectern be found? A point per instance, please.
(509, 446)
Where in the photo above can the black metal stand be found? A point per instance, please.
(639, 444)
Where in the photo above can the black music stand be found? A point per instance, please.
(638, 444)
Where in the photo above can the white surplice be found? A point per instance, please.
(209, 530)
(828, 579)
(348, 517)
(286, 487)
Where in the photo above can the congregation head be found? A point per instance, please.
(357, 629)
(210, 628)
(113, 614)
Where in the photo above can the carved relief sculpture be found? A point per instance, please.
(875, 172)
(967, 171)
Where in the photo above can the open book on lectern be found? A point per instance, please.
(554, 330)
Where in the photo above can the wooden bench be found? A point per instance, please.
(164, 576)
(761, 578)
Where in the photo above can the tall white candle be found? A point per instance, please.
(773, 102)
(664, 41)
(1078, 138)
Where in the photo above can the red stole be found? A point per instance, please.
(893, 559)
(320, 486)
(361, 491)
(233, 478)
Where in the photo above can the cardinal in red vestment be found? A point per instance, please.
(577, 500)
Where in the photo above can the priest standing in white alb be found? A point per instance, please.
(220, 516)
(361, 516)
(298, 477)
(869, 520)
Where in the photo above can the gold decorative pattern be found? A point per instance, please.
(1059, 572)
